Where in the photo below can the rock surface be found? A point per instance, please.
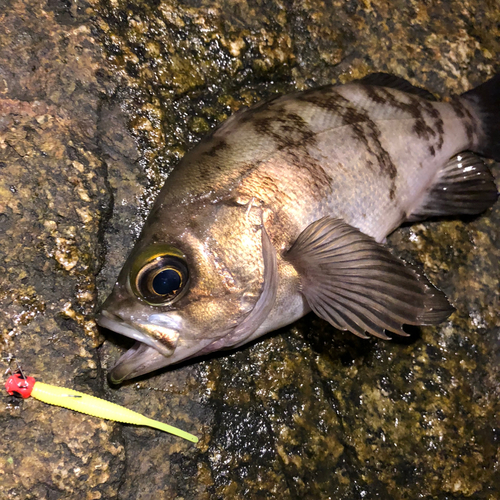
(98, 100)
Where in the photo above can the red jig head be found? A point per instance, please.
(17, 385)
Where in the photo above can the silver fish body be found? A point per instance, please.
(284, 209)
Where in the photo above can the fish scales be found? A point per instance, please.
(326, 141)
(282, 209)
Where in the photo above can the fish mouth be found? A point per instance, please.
(145, 355)
(167, 336)
(138, 360)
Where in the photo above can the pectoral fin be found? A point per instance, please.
(356, 284)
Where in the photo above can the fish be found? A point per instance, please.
(285, 208)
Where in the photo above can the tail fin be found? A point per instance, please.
(486, 101)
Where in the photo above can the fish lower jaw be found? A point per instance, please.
(116, 324)
(138, 360)
(141, 359)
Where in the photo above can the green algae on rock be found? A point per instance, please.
(308, 412)
(320, 423)
(53, 197)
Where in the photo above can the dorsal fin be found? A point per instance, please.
(395, 82)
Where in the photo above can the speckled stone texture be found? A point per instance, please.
(98, 100)
(53, 197)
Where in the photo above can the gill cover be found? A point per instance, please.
(142, 358)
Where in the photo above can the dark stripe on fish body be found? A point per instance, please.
(468, 121)
(458, 107)
(322, 182)
(220, 145)
(418, 108)
(375, 96)
(288, 130)
(438, 120)
(292, 136)
(363, 127)
(438, 126)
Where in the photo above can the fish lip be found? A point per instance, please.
(117, 324)
(142, 359)
(135, 362)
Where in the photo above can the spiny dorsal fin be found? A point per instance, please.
(395, 82)
(464, 186)
(356, 284)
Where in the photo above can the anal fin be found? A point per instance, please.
(464, 186)
(356, 284)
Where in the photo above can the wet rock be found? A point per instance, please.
(54, 199)
(98, 101)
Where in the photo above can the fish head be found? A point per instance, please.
(192, 285)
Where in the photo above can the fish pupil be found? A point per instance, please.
(166, 282)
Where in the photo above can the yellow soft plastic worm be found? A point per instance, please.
(73, 400)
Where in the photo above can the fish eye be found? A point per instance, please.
(159, 275)
(167, 281)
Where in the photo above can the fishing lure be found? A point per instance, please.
(25, 387)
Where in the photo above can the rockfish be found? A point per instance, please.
(284, 209)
